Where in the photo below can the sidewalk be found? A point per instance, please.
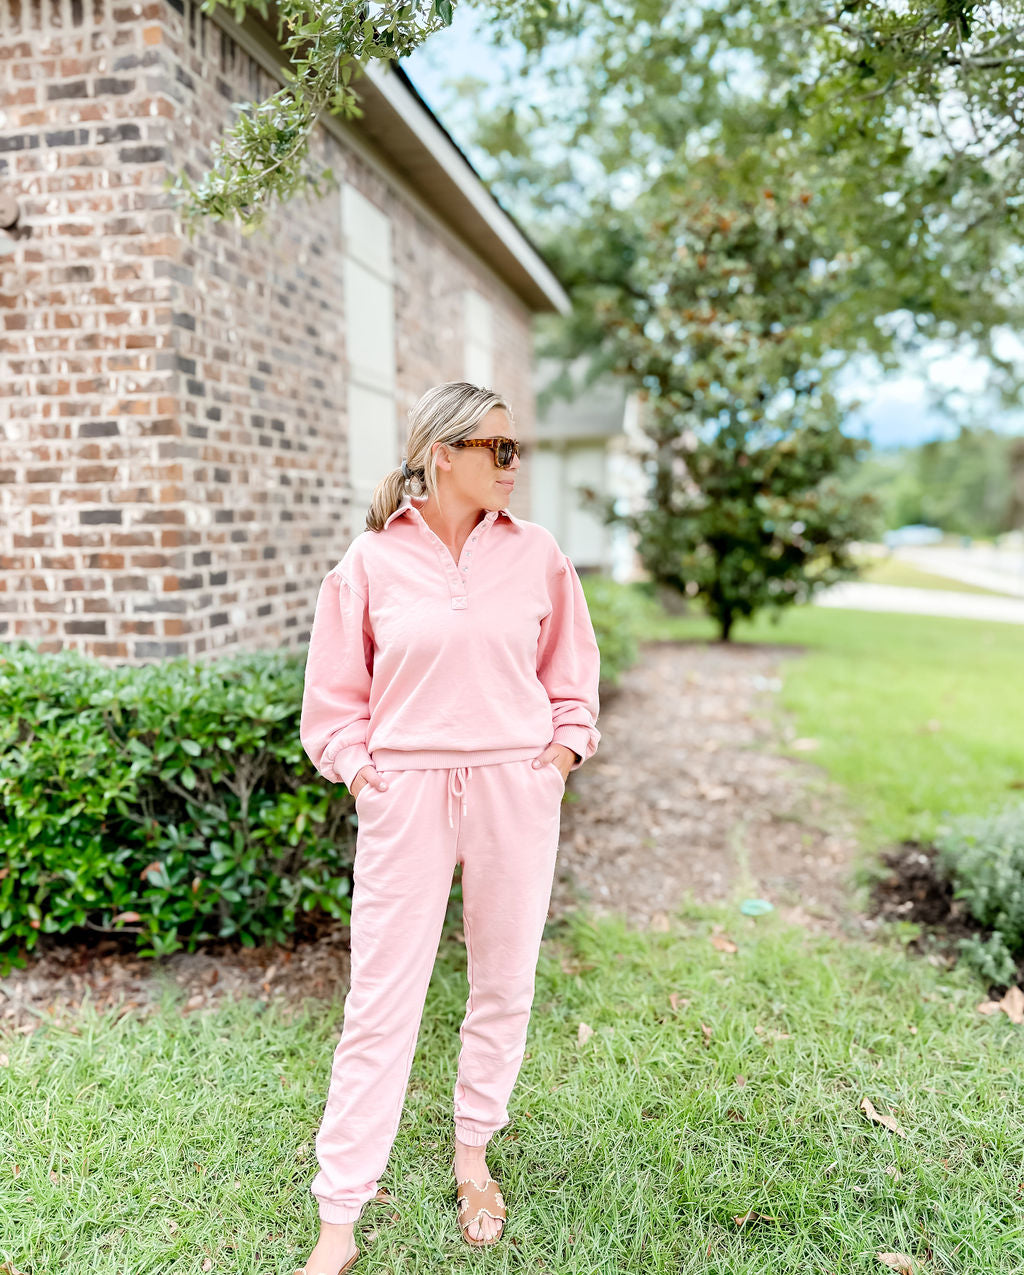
(856, 595)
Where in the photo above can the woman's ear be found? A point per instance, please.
(442, 455)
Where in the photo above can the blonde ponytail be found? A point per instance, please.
(446, 413)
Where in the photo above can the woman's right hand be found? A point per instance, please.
(368, 775)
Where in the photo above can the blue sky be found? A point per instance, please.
(896, 409)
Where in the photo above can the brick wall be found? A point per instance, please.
(173, 454)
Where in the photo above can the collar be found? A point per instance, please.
(408, 503)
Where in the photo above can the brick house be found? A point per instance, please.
(191, 429)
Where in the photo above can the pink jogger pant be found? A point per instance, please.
(500, 821)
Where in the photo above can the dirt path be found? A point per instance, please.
(685, 795)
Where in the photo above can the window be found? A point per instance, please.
(478, 321)
(370, 343)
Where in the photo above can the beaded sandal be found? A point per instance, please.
(473, 1200)
(347, 1267)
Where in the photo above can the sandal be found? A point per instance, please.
(472, 1200)
(347, 1267)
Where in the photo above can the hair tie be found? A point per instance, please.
(406, 471)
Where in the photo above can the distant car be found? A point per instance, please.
(914, 533)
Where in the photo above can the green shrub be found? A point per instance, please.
(173, 801)
(613, 614)
(983, 856)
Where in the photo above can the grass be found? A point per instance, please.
(892, 571)
(157, 1146)
(918, 717)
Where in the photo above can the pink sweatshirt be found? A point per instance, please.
(418, 663)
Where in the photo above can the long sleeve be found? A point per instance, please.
(339, 667)
(569, 664)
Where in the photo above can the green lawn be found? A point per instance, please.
(918, 717)
(155, 1147)
(893, 571)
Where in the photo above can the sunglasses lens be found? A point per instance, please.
(506, 451)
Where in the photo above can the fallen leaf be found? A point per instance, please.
(897, 1262)
(194, 1002)
(208, 1264)
(128, 916)
(723, 944)
(867, 1106)
(660, 922)
(677, 1001)
(155, 866)
(989, 1007)
(707, 1032)
(893, 1172)
(583, 1034)
(744, 1218)
(384, 1196)
(741, 1081)
(1012, 1005)
(4, 1060)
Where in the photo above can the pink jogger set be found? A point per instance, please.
(449, 678)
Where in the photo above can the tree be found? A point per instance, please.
(737, 213)
(716, 314)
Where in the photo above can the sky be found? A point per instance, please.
(896, 409)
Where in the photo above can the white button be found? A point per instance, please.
(459, 604)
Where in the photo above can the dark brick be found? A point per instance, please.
(141, 154)
(223, 515)
(160, 650)
(218, 619)
(19, 142)
(182, 320)
(98, 429)
(218, 577)
(185, 365)
(86, 626)
(108, 84)
(68, 137)
(90, 516)
(221, 475)
(198, 388)
(125, 132)
(70, 88)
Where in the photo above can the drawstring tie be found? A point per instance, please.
(460, 774)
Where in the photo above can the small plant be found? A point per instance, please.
(983, 856)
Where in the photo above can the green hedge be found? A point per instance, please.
(172, 801)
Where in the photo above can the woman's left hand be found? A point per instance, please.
(557, 755)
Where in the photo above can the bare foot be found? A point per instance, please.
(333, 1249)
(470, 1163)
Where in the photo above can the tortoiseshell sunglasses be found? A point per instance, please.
(504, 449)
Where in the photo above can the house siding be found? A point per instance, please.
(174, 473)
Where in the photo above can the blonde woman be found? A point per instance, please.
(451, 685)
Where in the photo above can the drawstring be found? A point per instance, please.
(460, 773)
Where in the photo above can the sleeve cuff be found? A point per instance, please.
(575, 737)
(346, 763)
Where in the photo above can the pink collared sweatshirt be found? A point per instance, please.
(416, 661)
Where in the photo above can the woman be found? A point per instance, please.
(451, 685)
